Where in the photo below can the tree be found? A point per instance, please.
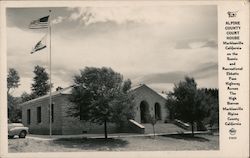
(189, 103)
(101, 96)
(170, 105)
(41, 85)
(26, 97)
(14, 112)
(214, 112)
(13, 79)
(122, 106)
(152, 120)
(213, 105)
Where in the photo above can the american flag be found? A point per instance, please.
(40, 23)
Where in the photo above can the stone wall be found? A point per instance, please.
(43, 126)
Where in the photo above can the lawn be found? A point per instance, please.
(177, 142)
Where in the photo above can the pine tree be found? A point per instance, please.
(41, 85)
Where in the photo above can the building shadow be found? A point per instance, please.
(99, 144)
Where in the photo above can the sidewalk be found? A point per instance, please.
(114, 135)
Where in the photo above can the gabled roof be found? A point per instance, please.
(66, 90)
(134, 88)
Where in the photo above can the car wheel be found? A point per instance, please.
(22, 134)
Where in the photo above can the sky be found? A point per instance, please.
(154, 45)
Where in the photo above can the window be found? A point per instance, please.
(28, 116)
(39, 114)
(52, 112)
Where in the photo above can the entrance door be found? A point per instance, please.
(144, 109)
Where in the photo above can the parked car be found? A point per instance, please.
(17, 129)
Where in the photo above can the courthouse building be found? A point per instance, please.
(35, 113)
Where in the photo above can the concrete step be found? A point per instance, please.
(163, 128)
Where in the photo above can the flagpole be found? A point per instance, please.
(50, 86)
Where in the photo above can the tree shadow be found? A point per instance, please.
(99, 144)
(187, 137)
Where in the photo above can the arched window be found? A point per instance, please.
(157, 111)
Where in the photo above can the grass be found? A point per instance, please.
(160, 143)
(188, 137)
(99, 144)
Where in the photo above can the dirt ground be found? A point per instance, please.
(200, 142)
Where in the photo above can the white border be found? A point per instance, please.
(238, 148)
